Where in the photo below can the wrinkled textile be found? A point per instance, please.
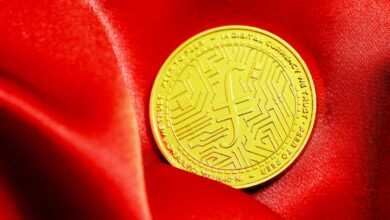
(75, 81)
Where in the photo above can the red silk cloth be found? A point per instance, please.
(75, 80)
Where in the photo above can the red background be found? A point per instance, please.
(75, 80)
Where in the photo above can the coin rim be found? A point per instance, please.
(154, 124)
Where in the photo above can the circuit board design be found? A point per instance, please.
(235, 104)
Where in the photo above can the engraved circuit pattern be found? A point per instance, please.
(232, 107)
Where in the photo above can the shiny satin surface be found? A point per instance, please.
(75, 82)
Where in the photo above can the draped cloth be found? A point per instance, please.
(75, 81)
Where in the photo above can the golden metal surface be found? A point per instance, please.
(235, 104)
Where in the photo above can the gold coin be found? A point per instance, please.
(235, 104)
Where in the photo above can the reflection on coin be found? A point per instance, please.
(235, 104)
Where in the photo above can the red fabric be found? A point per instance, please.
(75, 80)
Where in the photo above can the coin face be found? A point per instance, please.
(235, 104)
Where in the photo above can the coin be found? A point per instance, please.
(235, 104)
